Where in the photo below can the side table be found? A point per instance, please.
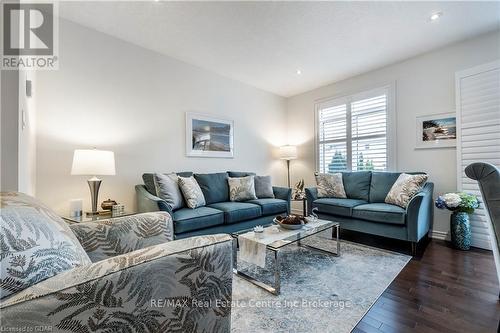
(93, 218)
(304, 205)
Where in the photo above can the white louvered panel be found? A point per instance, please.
(369, 130)
(478, 119)
(352, 132)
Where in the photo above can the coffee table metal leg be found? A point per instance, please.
(338, 239)
(235, 254)
(336, 254)
(275, 290)
(277, 269)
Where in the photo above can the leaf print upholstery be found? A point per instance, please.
(156, 289)
(405, 188)
(241, 188)
(108, 238)
(192, 192)
(35, 244)
(330, 185)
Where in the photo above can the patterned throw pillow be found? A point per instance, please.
(405, 188)
(192, 192)
(263, 187)
(35, 244)
(330, 185)
(167, 188)
(242, 188)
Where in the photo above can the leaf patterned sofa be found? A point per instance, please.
(121, 275)
(365, 209)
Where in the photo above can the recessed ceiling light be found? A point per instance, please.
(436, 16)
(299, 72)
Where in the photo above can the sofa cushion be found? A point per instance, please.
(187, 219)
(380, 212)
(242, 188)
(148, 180)
(330, 185)
(214, 186)
(336, 206)
(239, 174)
(192, 192)
(381, 185)
(36, 244)
(263, 187)
(271, 206)
(405, 188)
(357, 184)
(237, 211)
(167, 188)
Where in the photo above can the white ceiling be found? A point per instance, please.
(264, 43)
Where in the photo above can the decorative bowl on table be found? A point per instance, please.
(291, 222)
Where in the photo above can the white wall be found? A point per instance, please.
(9, 100)
(113, 95)
(424, 85)
(27, 134)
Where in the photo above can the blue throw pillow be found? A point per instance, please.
(214, 186)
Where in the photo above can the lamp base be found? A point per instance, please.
(94, 184)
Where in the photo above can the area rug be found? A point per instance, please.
(319, 293)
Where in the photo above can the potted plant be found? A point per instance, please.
(461, 205)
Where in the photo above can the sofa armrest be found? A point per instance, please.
(283, 193)
(176, 286)
(420, 213)
(108, 238)
(146, 202)
(311, 195)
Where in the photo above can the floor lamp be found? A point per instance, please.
(288, 153)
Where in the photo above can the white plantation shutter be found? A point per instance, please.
(352, 132)
(478, 131)
(332, 138)
(369, 133)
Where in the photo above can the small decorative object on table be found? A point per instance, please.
(118, 209)
(461, 204)
(108, 204)
(298, 191)
(258, 230)
(75, 207)
(292, 222)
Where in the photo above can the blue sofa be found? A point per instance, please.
(219, 215)
(365, 211)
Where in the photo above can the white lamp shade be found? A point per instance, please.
(288, 152)
(93, 162)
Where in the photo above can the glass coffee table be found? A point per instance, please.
(275, 238)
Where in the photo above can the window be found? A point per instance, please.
(352, 133)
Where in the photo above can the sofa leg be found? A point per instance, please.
(413, 248)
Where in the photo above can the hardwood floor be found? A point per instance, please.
(444, 290)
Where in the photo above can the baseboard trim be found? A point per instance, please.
(442, 235)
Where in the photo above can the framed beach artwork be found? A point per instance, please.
(437, 131)
(208, 136)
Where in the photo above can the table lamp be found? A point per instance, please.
(288, 153)
(93, 162)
